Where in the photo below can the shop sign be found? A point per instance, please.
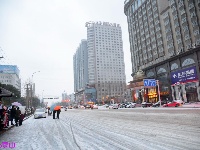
(184, 75)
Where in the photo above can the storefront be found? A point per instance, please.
(185, 84)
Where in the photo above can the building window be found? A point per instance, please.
(187, 62)
(174, 66)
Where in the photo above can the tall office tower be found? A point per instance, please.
(80, 63)
(106, 69)
(165, 43)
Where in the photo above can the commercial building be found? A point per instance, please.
(165, 43)
(9, 74)
(104, 77)
(106, 67)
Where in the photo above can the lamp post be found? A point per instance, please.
(32, 89)
(157, 81)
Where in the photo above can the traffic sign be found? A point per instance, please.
(149, 82)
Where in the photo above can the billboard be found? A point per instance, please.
(9, 69)
(184, 75)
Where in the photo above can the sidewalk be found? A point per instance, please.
(191, 105)
(11, 126)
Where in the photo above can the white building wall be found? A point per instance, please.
(10, 79)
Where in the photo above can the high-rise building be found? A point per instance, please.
(106, 69)
(9, 75)
(164, 42)
(80, 62)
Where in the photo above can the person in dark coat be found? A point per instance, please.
(54, 112)
(12, 114)
(17, 116)
(58, 113)
(21, 118)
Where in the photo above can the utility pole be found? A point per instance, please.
(27, 96)
(31, 100)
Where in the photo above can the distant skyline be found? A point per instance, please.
(44, 35)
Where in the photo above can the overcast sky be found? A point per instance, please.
(43, 35)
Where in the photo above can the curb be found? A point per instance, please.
(10, 127)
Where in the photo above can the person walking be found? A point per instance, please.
(58, 113)
(54, 112)
(17, 116)
(12, 114)
(21, 118)
(5, 118)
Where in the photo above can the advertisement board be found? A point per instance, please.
(9, 69)
(184, 75)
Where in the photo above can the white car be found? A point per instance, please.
(179, 101)
(39, 113)
(113, 106)
(95, 107)
(131, 105)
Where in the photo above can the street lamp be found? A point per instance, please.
(32, 88)
(33, 74)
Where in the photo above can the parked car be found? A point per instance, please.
(145, 104)
(70, 107)
(131, 105)
(123, 105)
(157, 104)
(113, 106)
(179, 101)
(87, 107)
(39, 113)
(95, 107)
(172, 104)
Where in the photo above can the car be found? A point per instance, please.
(179, 101)
(157, 104)
(172, 104)
(87, 107)
(131, 105)
(82, 107)
(113, 106)
(39, 113)
(70, 107)
(146, 104)
(95, 107)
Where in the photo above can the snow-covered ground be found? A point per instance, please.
(104, 129)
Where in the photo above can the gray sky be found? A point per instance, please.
(43, 35)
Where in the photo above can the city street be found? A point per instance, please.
(104, 129)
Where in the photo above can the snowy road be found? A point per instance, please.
(103, 129)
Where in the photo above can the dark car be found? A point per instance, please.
(146, 104)
(87, 107)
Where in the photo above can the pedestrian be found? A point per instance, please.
(54, 112)
(17, 116)
(21, 118)
(58, 113)
(5, 117)
(12, 114)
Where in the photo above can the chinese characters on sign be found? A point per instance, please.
(7, 145)
(184, 75)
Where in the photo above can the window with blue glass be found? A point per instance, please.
(139, 3)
